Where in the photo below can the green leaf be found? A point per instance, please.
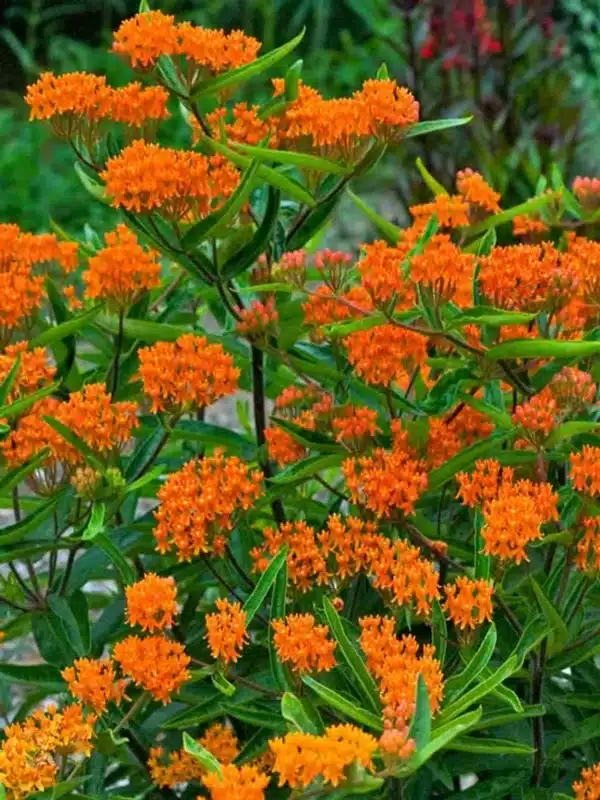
(315, 221)
(41, 676)
(312, 440)
(543, 348)
(206, 759)
(24, 403)
(191, 430)
(259, 243)
(221, 683)
(434, 186)
(343, 704)
(264, 583)
(94, 188)
(17, 532)
(433, 125)
(75, 441)
(52, 643)
(470, 744)
(142, 329)
(570, 429)
(16, 476)
(79, 607)
(272, 176)
(495, 720)
(501, 419)
(95, 525)
(341, 329)
(234, 77)
(587, 729)
(57, 333)
(529, 207)
(457, 684)
(559, 635)
(463, 460)
(477, 692)
(9, 381)
(279, 670)
(439, 631)
(292, 81)
(364, 680)
(118, 559)
(300, 160)
(296, 712)
(420, 727)
(390, 232)
(60, 608)
(306, 469)
(486, 315)
(441, 739)
(225, 214)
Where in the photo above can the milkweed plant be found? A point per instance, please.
(382, 579)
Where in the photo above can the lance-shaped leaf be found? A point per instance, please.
(263, 585)
(300, 714)
(300, 160)
(24, 403)
(75, 441)
(389, 231)
(434, 125)
(529, 207)
(433, 185)
(201, 754)
(58, 332)
(252, 250)
(344, 705)
(543, 348)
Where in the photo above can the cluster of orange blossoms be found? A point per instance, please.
(180, 184)
(345, 548)
(24, 258)
(259, 319)
(355, 424)
(588, 785)
(152, 602)
(122, 271)
(89, 413)
(450, 434)
(513, 511)
(306, 647)
(301, 758)
(246, 781)
(305, 407)
(186, 374)
(588, 547)
(247, 126)
(396, 664)
(387, 482)
(30, 749)
(181, 767)
(155, 663)
(469, 602)
(94, 682)
(386, 354)
(77, 101)
(226, 631)
(34, 370)
(198, 503)
(585, 470)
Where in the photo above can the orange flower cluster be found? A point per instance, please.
(528, 277)
(305, 407)
(573, 390)
(246, 781)
(451, 211)
(226, 631)
(332, 266)
(180, 767)
(198, 502)
(300, 758)
(259, 319)
(306, 562)
(122, 271)
(94, 683)
(538, 416)
(387, 482)
(588, 547)
(181, 185)
(450, 435)
(477, 192)
(75, 102)
(291, 268)
(398, 569)
(396, 664)
(152, 602)
(588, 785)
(247, 126)
(353, 425)
(587, 191)
(586, 256)
(585, 470)
(394, 742)
(281, 445)
(469, 602)
(386, 354)
(188, 373)
(444, 271)
(28, 751)
(156, 664)
(526, 225)
(21, 290)
(304, 645)
(381, 271)
(513, 511)
(33, 373)
(90, 413)
(324, 307)
(149, 35)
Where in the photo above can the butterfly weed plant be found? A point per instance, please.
(383, 579)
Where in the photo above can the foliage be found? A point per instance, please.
(383, 579)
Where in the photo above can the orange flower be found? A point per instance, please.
(586, 256)
(394, 742)
(226, 631)
(145, 37)
(332, 266)
(386, 354)
(381, 271)
(281, 445)
(469, 602)
(122, 271)
(451, 211)
(588, 547)
(306, 562)
(34, 371)
(259, 319)
(246, 781)
(94, 683)
(152, 602)
(181, 767)
(21, 293)
(156, 664)
(354, 425)
(448, 436)
(476, 191)
(585, 470)
(386, 482)
(198, 503)
(324, 307)
(573, 389)
(221, 741)
(247, 126)
(390, 108)
(588, 785)
(483, 483)
(214, 50)
(304, 645)
(70, 101)
(180, 184)
(300, 758)
(399, 569)
(29, 752)
(587, 191)
(136, 105)
(396, 664)
(188, 373)
(538, 416)
(444, 271)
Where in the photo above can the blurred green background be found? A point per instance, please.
(527, 69)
